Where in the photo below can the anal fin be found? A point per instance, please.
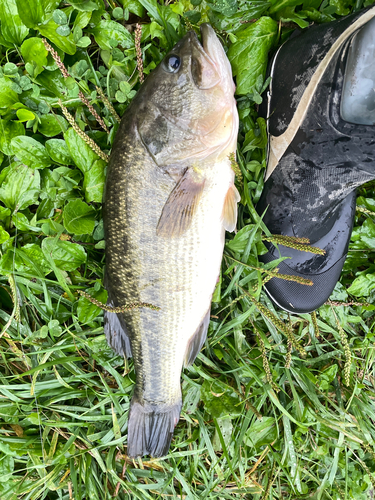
(197, 340)
(115, 333)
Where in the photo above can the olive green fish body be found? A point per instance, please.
(165, 223)
(177, 274)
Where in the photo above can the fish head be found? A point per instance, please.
(189, 108)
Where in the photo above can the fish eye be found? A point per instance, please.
(173, 63)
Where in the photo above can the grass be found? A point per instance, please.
(276, 406)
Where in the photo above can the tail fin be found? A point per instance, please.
(150, 428)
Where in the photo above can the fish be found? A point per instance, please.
(169, 197)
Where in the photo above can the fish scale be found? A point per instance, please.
(165, 215)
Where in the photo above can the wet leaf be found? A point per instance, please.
(86, 311)
(9, 130)
(58, 151)
(6, 468)
(7, 264)
(59, 184)
(239, 242)
(280, 5)
(82, 19)
(84, 5)
(341, 7)
(327, 376)
(248, 55)
(134, 6)
(79, 218)
(22, 223)
(34, 52)
(33, 12)
(30, 152)
(118, 13)
(256, 138)
(362, 286)
(4, 235)
(261, 432)
(54, 327)
(120, 96)
(53, 82)
(51, 125)
(20, 188)
(63, 30)
(367, 202)
(192, 15)
(364, 236)
(6, 449)
(5, 212)
(65, 43)
(110, 30)
(226, 7)
(12, 28)
(93, 182)
(25, 115)
(35, 257)
(42, 333)
(10, 69)
(220, 400)
(226, 429)
(67, 256)
(7, 95)
(84, 42)
(59, 17)
(81, 153)
(51, 228)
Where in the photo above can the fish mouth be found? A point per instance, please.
(207, 35)
(213, 49)
(207, 41)
(208, 44)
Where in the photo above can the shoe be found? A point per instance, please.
(321, 125)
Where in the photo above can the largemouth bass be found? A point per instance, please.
(169, 197)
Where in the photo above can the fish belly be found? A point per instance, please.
(176, 274)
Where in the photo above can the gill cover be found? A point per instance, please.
(187, 101)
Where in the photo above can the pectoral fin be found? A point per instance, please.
(230, 208)
(181, 205)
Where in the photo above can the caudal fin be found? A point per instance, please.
(150, 428)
